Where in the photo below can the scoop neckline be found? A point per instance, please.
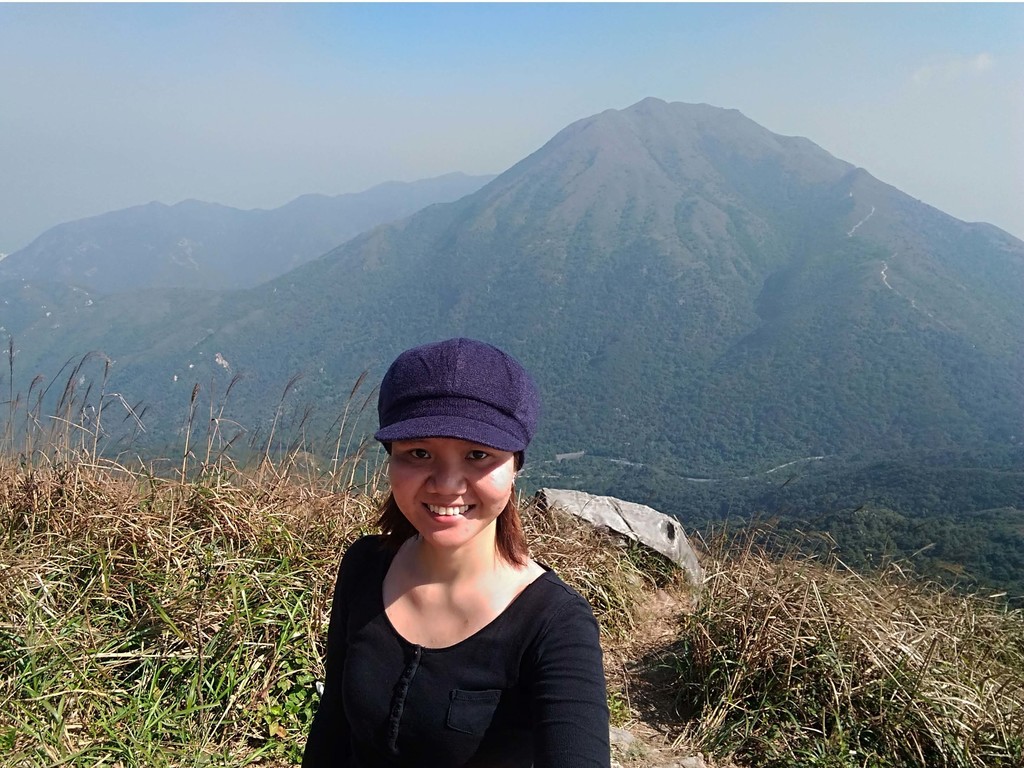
(548, 573)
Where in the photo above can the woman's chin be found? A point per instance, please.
(455, 531)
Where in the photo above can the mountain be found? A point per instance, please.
(699, 298)
(205, 245)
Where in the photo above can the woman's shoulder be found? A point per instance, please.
(551, 598)
(366, 545)
(554, 583)
(363, 553)
(555, 617)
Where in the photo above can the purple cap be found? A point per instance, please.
(458, 388)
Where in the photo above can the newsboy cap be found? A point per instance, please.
(459, 388)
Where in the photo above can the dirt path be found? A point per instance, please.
(647, 734)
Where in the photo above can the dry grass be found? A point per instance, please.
(147, 621)
(150, 621)
(791, 662)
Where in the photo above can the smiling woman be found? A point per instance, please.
(448, 646)
(451, 491)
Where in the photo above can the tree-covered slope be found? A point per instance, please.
(694, 293)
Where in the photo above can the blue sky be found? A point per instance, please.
(107, 106)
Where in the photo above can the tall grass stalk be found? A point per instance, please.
(214, 433)
(341, 423)
(267, 458)
(8, 432)
(187, 450)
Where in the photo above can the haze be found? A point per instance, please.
(107, 106)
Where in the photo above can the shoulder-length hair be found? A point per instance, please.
(510, 540)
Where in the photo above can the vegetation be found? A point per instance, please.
(957, 518)
(179, 620)
(790, 662)
(687, 291)
(156, 623)
(176, 614)
(682, 282)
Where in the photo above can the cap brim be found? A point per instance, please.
(451, 426)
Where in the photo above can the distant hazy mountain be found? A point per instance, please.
(205, 245)
(696, 295)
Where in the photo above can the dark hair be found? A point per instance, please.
(510, 539)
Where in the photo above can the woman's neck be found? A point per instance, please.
(476, 559)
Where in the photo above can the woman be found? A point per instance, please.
(448, 646)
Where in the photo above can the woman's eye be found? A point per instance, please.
(420, 453)
(478, 455)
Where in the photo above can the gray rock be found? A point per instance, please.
(621, 738)
(641, 523)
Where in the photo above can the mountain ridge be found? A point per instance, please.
(194, 243)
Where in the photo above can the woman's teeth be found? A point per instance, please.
(445, 511)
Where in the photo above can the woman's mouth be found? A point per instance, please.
(448, 511)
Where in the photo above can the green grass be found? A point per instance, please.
(151, 622)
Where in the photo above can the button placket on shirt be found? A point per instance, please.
(400, 695)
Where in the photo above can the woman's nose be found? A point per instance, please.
(448, 477)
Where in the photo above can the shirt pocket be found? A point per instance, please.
(472, 711)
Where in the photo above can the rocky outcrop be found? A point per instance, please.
(638, 522)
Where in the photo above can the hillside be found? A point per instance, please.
(700, 300)
(178, 622)
(196, 244)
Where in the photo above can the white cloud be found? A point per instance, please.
(983, 62)
(954, 68)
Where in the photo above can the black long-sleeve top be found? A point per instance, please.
(526, 690)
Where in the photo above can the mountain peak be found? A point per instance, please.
(643, 167)
(695, 292)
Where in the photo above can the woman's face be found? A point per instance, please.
(450, 490)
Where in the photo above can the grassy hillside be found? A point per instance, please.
(149, 620)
